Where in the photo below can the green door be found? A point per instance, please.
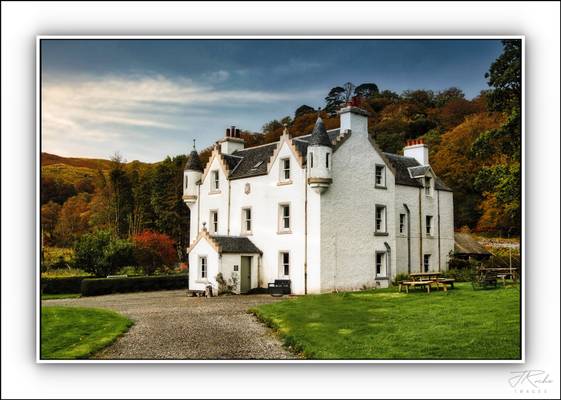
(245, 274)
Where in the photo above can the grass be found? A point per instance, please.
(60, 296)
(383, 324)
(71, 332)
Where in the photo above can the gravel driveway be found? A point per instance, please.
(170, 325)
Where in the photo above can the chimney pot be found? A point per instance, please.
(227, 132)
(237, 133)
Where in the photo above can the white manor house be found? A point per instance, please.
(328, 211)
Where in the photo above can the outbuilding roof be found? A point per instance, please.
(464, 243)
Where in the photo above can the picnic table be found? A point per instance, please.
(502, 273)
(426, 280)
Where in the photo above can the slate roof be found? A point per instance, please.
(319, 135)
(194, 162)
(402, 164)
(464, 243)
(235, 244)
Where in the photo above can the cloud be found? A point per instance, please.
(217, 76)
(296, 66)
(110, 111)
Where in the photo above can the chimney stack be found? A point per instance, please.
(417, 149)
(232, 141)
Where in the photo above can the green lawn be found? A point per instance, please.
(72, 332)
(383, 324)
(60, 296)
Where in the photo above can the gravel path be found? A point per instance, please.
(170, 325)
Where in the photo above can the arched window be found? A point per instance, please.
(186, 181)
(327, 160)
(311, 160)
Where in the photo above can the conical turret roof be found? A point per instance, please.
(193, 161)
(319, 135)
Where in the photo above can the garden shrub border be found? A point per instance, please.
(100, 286)
(70, 284)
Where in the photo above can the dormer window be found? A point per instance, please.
(380, 176)
(428, 188)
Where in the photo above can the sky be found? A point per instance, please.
(148, 99)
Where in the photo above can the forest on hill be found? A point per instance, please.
(475, 147)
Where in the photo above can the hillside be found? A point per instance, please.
(72, 170)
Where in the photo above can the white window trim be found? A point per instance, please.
(383, 231)
(215, 181)
(244, 230)
(282, 179)
(383, 266)
(200, 272)
(281, 228)
(428, 226)
(382, 184)
(427, 268)
(404, 225)
(281, 264)
(428, 189)
(211, 221)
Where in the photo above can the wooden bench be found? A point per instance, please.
(444, 283)
(280, 287)
(421, 284)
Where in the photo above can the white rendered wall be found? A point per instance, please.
(348, 243)
(203, 248)
(264, 198)
(212, 200)
(228, 262)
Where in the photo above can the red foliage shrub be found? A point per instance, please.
(154, 250)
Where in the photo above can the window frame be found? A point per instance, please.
(215, 181)
(244, 221)
(382, 184)
(402, 224)
(383, 230)
(202, 275)
(311, 159)
(281, 218)
(383, 264)
(428, 225)
(427, 186)
(284, 170)
(185, 181)
(328, 160)
(212, 224)
(426, 262)
(282, 265)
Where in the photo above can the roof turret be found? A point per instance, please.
(319, 135)
(193, 161)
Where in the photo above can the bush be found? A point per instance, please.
(56, 258)
(99, 286)
(153, 250)
(101, 255)
(400, 277)
(62, 285)
(460, 275)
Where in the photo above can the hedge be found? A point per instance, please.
(99, 286)
(62, 285)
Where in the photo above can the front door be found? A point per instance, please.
(245, 274)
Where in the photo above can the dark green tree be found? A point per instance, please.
(502, 180)
(334, 99)
(366, 90)
(303, 109)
